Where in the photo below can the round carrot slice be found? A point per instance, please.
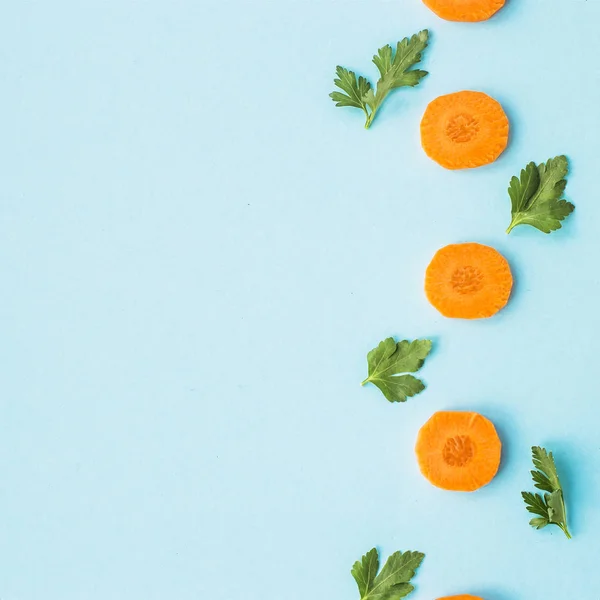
(458, 451)
(464, 130)
(461, 597)
(465, 10)
(468, 281)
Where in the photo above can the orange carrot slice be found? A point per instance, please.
(464, 130)
(465, 10)
(468, 281)
(458, 451)
(461, 597)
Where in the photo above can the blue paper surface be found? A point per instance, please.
(198, 250)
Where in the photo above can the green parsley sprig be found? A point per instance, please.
(536, 197)
(395, 70)
(393, 581)
(550, 508)
(389, 363)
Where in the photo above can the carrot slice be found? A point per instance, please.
(458, 451)
(468, 281)
(464, 130)
(465, 10)
(461, 597)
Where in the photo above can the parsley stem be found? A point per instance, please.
(566, 530)
(370, 118)
(516, 220)
(365, 381)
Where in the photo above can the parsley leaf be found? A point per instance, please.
(389, 360)
(356, 89)
(536, 197)
(395, 70)
(393, 582)
(550, 507)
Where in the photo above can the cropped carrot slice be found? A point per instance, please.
(458, 451)
(461, 597)
(465, 10)
(464, 130)
(468, 281)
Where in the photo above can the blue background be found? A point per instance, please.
(198, 250)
